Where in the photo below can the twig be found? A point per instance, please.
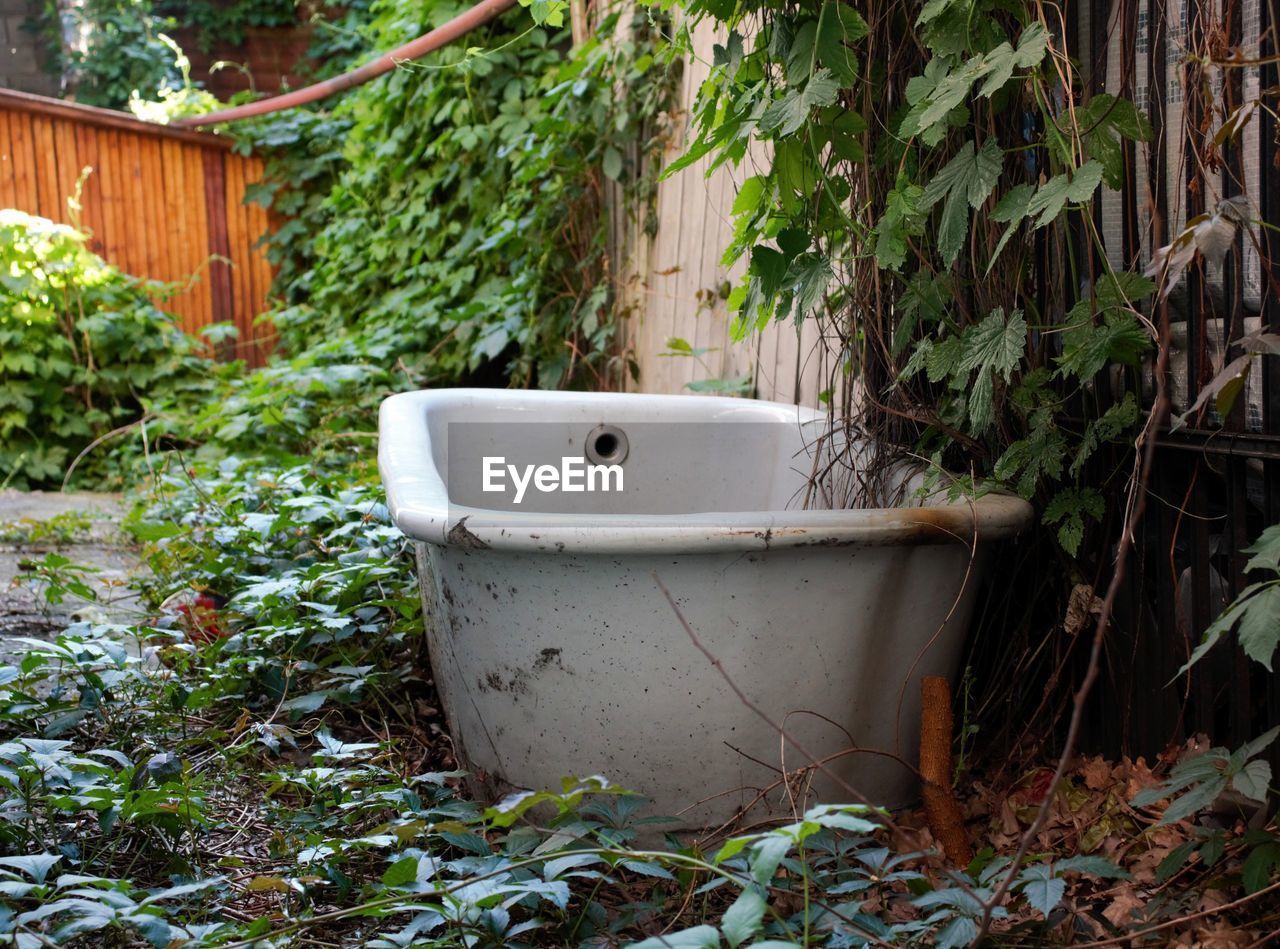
(760, 713)
(1182, 920)
(1137, 502)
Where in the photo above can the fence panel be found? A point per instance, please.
(161, 203)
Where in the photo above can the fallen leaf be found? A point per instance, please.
(1120, 912)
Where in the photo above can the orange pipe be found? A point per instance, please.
(443, 35)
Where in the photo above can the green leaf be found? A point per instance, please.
(305, 703)
(992, 348)
(750, 196)
(838, 25)
(965, 182)
(401, 873)
(811, 275)
(1088, 347)
(1195, 800)
(1053, 195)
(1259, 625)
(1225, 622)
(1042, 889)
(1175, 860)
(1114, 422)
(1265, 550)
(785, 116)
(1069, 508)
(1253, 780)
(1105, 120)
(611, 164)
(949, 92)
(960, 931)
(742, 920)
(903, 217)
(699, 937)
(1000, 62)
(1012, 209)
(934, 9)
(766, 855)
(1094, 866)
(36, 866)
(1259, 865)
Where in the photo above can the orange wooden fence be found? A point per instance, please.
(161, 203)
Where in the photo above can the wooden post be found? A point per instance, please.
(945, 819)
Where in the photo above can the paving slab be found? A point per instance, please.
(84, 527)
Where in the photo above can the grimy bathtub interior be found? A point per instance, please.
(556, 652)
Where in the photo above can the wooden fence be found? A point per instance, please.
(674, 281)
(160, 203)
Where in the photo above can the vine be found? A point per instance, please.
(453, 214)
(916, 165)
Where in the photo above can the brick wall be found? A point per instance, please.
(268, 59)
(20, 65)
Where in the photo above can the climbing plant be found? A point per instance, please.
(911, 164)
(104, 50)
(83, 348)
(453, 213)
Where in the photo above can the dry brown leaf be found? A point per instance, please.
(1096, 773)
(1222, 936)
(1125, 901)
(1082, 606)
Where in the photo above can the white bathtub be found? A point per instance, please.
(556, 653)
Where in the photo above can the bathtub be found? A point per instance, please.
(556, 652)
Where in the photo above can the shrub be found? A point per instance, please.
(82, 348)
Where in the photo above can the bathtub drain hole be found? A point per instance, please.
(606, 445)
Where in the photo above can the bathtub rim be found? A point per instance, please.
(419, 504)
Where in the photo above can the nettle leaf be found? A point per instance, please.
(1265, 550)
(903, 217)
(1256, 613)
(949, 92)
(1069, 508)
(839, 24)
(788, 114)
(1105, 121)
(1012, 209)
(1004, 59)
(1053, 195)
(1114, 422)
(964, 182)
(1088, 347)
(992, 348)
(924, 300)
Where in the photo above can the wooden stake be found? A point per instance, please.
(945, 819)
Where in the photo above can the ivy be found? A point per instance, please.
(912, 165)
(455, 213)
(84, 349)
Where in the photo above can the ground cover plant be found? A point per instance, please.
(264, 758)
(452, 215)
(83, 348)
(258, 757)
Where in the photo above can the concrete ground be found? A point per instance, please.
(83, 527)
